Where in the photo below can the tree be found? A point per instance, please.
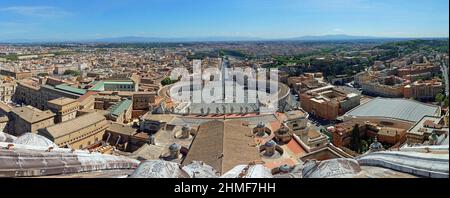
(168, 81)
(440, 97)
(72, 72)
(42, 74)
(356, 139)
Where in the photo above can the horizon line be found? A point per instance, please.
(226, 39)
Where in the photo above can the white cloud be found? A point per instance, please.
(36, 11)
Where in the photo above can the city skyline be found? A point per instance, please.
(87, 20)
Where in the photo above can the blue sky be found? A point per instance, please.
(90, 19)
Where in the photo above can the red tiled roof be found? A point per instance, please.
(86, 95)
(295, 147)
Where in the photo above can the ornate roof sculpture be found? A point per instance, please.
(248, 171)
(19, 160)
(166, 169)
(335, 168)
(198, 169)
(159, 169)
(286, 171)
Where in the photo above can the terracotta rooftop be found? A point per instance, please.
(312, 133)
(62, 101)
(74, 125)
(223, 145)
(122, 129)
(295, 114)
(158, 117)
(6, 108)
(86, 95)
(31, 114)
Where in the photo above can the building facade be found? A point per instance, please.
(29, 119)
(297, 121)
(342, 133)
(422, 132)
(143, 100)
(121, 112)
(7, 91)
(424, 90)
(64, 108)
(328, 102)
(18, 75)
(77, 133)
(37, 96)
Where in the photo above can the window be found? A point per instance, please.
(81, 147)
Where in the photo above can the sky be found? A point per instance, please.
(92, 19)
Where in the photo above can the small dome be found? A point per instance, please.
(174, 147)
(184, 128)
(376, 145)
(261, 125)
(270, 143)
(285, 168)
(284, 129)
(32, 139)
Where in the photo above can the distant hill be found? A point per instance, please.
(335, 37)
(137, 39)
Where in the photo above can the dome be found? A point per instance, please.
(285, 168)
(283, 130)
(174, 147)
(184, 128)
(376, 146)
(32, 139)
(270, 143)
(261, 125)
